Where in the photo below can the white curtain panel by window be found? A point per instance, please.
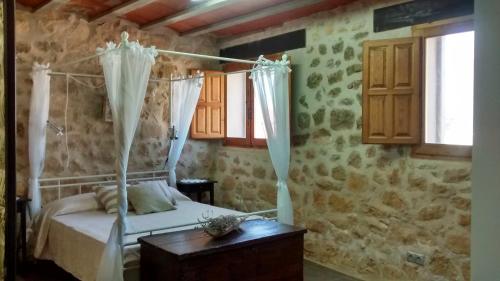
(270, 82)
(126, 72)
(185, 94)
(39, 114)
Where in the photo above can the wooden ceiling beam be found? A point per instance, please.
(49, 5)
(190, 12)
(23, 7)
(119, 10)
(263, 13)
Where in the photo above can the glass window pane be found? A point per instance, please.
(236, 105)
(449, 88)
(259, 129)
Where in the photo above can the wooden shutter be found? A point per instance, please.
(391, 91)
(209, 118)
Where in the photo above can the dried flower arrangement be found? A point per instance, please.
(221, 225)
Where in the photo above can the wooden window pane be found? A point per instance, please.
(215, 123)
(449, 88)
(403, 66)
(377, 105)
(432, 140)
(259, 129)
(201, 120)
(252, 133)
(236, 105)
(402, 109)
(377, 67)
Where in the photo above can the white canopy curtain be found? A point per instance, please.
(126, 72)
(270, 82)
(39, 114)
(185, 94)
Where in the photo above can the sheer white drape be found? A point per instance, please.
(185, 95)
(39, 114)
(126, 72)
(270, 82)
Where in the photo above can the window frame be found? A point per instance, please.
(432, 150)
(249, 141)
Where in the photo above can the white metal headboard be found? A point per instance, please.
(80, 182)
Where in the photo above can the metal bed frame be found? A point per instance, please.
(81, 182)
(60, 183)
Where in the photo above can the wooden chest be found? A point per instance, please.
(260, 251)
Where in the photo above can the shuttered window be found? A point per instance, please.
(419, 90)
(241, 124)
(447, 89)
(244, 121)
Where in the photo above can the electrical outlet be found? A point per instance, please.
(415, 258)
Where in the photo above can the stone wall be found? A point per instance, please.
(56, 39)
(365, 205)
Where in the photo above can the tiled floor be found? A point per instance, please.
(46, 271)
(316, 272)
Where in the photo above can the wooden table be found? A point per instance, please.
(198, 188)
(260, 251)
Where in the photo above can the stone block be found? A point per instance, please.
(432, 212)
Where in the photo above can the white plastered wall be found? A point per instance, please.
(486, 154)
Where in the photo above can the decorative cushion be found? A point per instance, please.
(176, 194)
(150, 197)
(108, 197)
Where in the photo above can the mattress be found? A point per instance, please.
(76, 241)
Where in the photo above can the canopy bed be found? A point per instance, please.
(104, 240)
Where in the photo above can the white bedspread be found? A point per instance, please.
(76, 241)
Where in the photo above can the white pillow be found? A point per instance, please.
(72, 204)
(177, 195)
(149, 198)
(172, 193)
(108, 197)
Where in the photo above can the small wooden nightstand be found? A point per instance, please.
(22, 209)
(198, 188)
